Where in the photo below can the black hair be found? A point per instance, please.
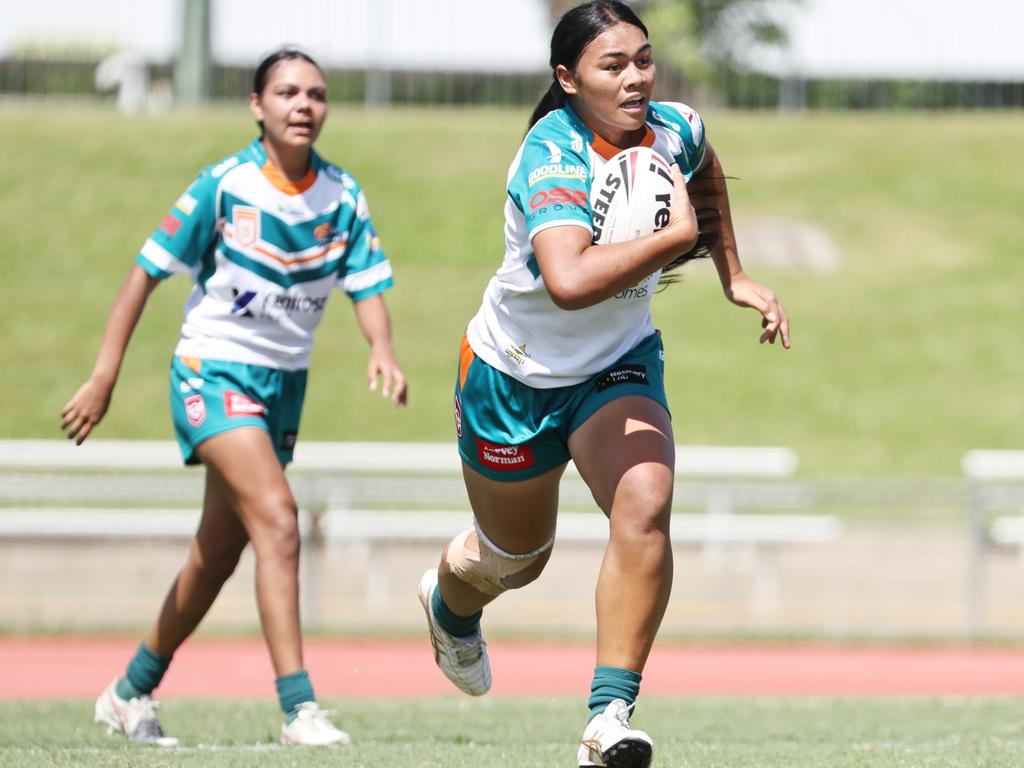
(574, 32)
(285, 53)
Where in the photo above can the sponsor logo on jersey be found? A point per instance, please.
(242, 300)
(557, 171)
(623, 374)
(639, 291)
(288, 440)
(186, 204)
(504, 457)
(246, 222)
(290, 302)
(554, 152)
(576, 141)
(519, 354)
(458, 415)
(326, 233)
(236, 404)
(195, 410)
(577, 197)
(170, 225)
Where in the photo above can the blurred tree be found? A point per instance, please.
(699, 42)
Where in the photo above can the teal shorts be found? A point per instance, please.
(213, 396)
(509, 431)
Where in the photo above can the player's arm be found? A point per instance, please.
(89, 404)
(708, 190)
(578, 274)
(375, 323)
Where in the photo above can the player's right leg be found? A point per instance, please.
(507, 549)
(126, 705)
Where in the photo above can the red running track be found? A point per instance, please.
(80, 667)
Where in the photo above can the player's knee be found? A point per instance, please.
(277, 537)
(217, 567)
(492, 570)
(643, 501)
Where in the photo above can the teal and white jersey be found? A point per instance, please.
(519, 329)
(264, 254)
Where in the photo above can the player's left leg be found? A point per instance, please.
(626, 454)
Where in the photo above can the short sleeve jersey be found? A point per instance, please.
(519, 329)
(264, 254)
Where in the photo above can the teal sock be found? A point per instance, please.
(292, 690)
(612, 683)
(144, 673)
(460, 626)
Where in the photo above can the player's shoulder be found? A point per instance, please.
(556, 134)
(336, 174)
(681, 119)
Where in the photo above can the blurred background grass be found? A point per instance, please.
(903, 358)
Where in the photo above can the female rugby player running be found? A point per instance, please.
(265, 234)
(562, 362)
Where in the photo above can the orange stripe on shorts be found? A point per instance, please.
(195, 363)
(466, 358)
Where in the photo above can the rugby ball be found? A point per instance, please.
(630, 196)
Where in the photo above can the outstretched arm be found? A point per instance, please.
(89, 404)
(375, 323)
(708, 190)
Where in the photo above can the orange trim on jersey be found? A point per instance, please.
(194, 363)
(466, 358)
(608, 150)
(286, 185)
(229, 233)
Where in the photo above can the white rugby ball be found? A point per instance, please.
(630, 196)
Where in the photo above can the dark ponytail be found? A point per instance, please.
(574, 32)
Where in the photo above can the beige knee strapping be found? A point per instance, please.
(491, 569)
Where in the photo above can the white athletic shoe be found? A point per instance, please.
(135, 718)
(462, 659)
(608, 740)
(311, 728)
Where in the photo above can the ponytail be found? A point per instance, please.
(553, 98)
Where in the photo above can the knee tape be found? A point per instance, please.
(492, 570)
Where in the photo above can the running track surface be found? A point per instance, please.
(80, 667)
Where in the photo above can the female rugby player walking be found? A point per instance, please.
(562, 362)
(265, 234)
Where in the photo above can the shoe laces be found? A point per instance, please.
(317, 718)
(621, 713)
(467, 653)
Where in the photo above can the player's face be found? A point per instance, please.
(612, 84)
(293, 104)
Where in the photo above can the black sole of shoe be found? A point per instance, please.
(628, 753)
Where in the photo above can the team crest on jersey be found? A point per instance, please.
(195, 410)
(326, 233)
(246, 221)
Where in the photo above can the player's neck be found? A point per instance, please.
(292, 163)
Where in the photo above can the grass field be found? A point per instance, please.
(454, 733)
(904, 358)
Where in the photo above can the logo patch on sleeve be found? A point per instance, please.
(624, 374)
(170, 225)
(504, 457)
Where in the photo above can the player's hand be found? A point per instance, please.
(383, 368)
(744, 292)
(681, 215)
(85, 409)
